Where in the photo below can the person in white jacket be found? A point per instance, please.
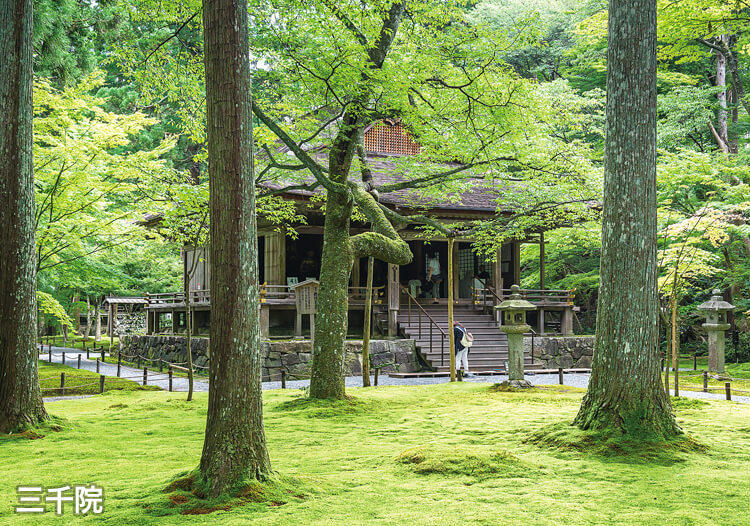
(463, 341)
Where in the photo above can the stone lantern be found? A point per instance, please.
(716, 323)
(513, 323)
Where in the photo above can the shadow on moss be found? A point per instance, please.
(615, 446)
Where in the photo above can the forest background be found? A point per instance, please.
(119, 135)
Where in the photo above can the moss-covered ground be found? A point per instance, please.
(442, 454)
(80, 381)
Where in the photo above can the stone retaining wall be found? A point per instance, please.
(568, 352)
(292, 356)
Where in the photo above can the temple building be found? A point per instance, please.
(404, 302)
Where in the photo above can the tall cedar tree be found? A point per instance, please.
(235, 444)
(20, 397)
(625, 394)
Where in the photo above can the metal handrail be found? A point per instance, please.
(443, 334)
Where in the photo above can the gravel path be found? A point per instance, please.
(181, 384)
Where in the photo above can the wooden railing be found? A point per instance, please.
(433, 324)
(545, 298)
(268, 293)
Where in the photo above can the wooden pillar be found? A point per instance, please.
(275, 258)
(393, 299)
(516, 262)
(356, 273)
(451, 336)
(111, 324)
(265, 321)
(566, 324)
(453, 253)
(540, 324)
(149, 322)
(541, 261)
(498, 280)
(298, 325)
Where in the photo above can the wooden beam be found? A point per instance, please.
(393, 299)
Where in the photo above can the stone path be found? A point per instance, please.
(181, 384)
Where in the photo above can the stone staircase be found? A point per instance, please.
(490, 349)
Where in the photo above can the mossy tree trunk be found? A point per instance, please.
(235, 445)
(20, 397)
(625, 393)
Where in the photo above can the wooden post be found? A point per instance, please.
(460, 375)
(451, 335)
(541, 261)
(705, 381)
(119, 364)
(298, 326)
(695, 362)
(170, 379)
(79, 361)
(728, 388)
(111, 324)
(145, 376)
(516, 261)
(377, 371)
(87, 351)
(62, 384)
(97, 365)
(265, 321)
(283, 379)
(101, 384)
(393, 299)
(174, 322)
(63, 358)
(454, 255)
(49, 356)
(560, 375)
(103, 355)
(366, 331)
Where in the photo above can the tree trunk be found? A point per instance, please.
(367, 329)
(235, 444)
(98, 317)
(88, 319)
(20, 397)
(722, 116)
(327, 378)
(625, 394)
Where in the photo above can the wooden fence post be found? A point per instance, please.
(62, 384)
(102, 354)
(377, 371)
(88, 356)
(170, 379)
(705, 381)
(145, 376)
(79, 361)
(119, 364)
(560, 375)
(728, 388)
(460, 375)
(63, 358)
(101, 383)
(695, 362)
(97, 365)
(283, 379)
(49, 356)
